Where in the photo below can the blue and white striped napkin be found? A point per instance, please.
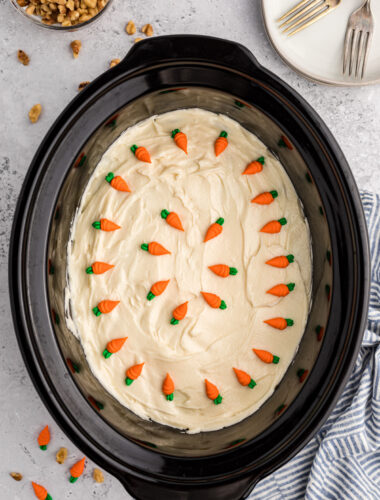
(343, 460)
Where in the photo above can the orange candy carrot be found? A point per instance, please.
(244, 378)
(172, 219)
(223, 270)
(141, 153)
(117, 182)
(180, 139)
(155, 248)
(302, 374)
(113, 346)
(274, 226)
(212, 392)
(221, 143)
(281, 290)
(179, 313)
(105, 225)
(266, 356)
(105, 307)
(77, 470)
(168, 387)
(285, 143)
(157, 289)
(279, 323)
(214, 301)
(99, 268)
(281, 261)
(44, 438)
(254, 167)
(215, 229)
(265, 198)
(41, 492)
(133, 373)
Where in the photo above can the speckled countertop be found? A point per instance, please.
(353, 115)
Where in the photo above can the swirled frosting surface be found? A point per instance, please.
(208, 343)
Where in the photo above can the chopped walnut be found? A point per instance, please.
(82, 85)
(138, 39)
(35, 112)
(22, 3)
(147, 29)
(61, 455)
(130, 28)
(22, 57)
(76, 45)
(114, 62)
(98, 476)
(16, 476)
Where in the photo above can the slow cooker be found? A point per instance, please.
(153, 461)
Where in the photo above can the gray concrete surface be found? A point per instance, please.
(52, 79)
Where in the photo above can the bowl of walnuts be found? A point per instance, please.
(61, 15)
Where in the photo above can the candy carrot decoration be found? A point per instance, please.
(281, 261)
(223, 270)
(77, 470)
(244, 378)
(41, 492)
(179, 313)
(141, 153)
(168, 387)
(117, 182)
(214, 300)
(279, 323)
(255, 166)
(265, 198)
(44, 438)
(99, 268)
(302, 374)
(274, 226)
(105, 225)
(113, 346)
(215, 229)
(180, 139)
(320, 332)
(285, 143)
(105, 307)
(172, 219)
(281, 290)
(133, 373)
(221, 143)
(155, 248)
(212, 392)
(266, 356)
(157, 289)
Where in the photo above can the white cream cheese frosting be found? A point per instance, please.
(207, 343)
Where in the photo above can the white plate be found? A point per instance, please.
(316, 52)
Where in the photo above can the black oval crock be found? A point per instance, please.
(164, 65)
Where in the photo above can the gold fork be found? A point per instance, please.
(306, 13)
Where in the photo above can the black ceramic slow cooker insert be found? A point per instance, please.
(153, 461)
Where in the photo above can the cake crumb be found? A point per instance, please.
(16, 476)
(61, 455)
(114, 62)
(98, 476)
(82, 85)
(138, 39)
(23, 57)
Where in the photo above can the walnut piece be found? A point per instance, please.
(16, 476)
(130, 28)
(114, 62)
(76, 45)
(22, 3)
(147, 29)
(138, 39)
(35, 112)
(22, 57)
(61, 455)
(82, 85)
(98, 476)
